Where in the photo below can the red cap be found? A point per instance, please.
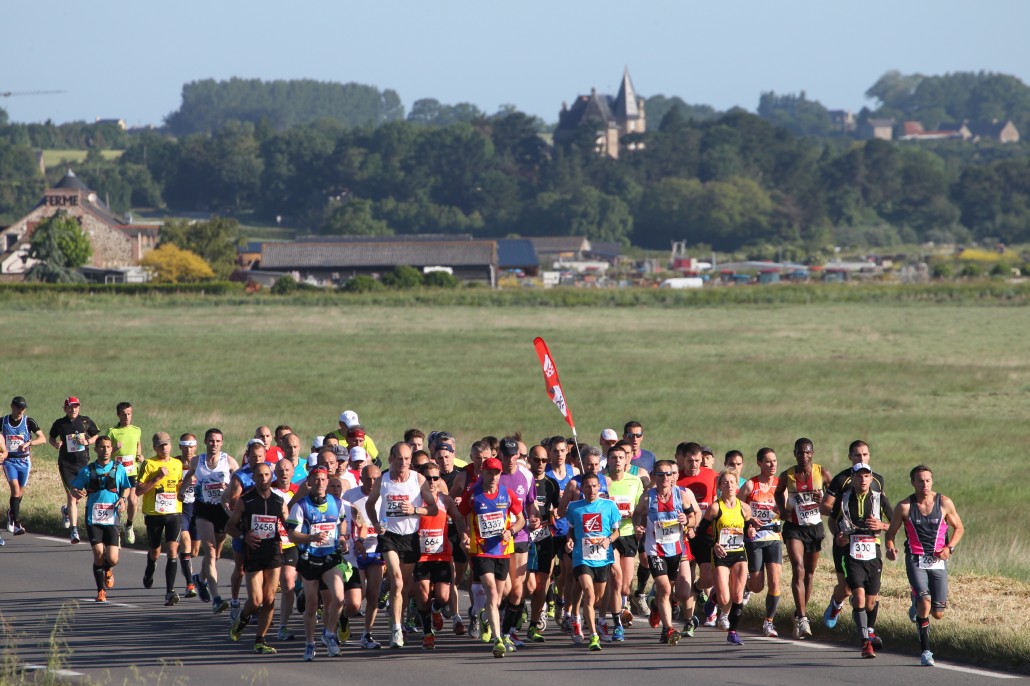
(72, 400)
(355, 433)
(492, 463)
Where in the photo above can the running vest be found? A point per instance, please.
(488, 519)
(762, 500)
(803, 496)
(16, 436)
(319, 518)
(263, 516)
(863, 543)
(625, 493)
(433, 543)
(212, 482)
(926, 534)
(729, 527)
(107, 481)
(392, 496)
(561, 525)
(663, 536)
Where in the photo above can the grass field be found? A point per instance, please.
(940, 384)
(55, 156)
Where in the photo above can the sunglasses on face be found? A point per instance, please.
(434, 478)
(665, 474)
(630, 434)
(540, 460)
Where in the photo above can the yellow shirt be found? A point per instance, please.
(129, 437)
(162, 499)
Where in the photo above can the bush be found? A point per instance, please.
(361, 284)
(1001, 269)
(284, 285)
(942, 270)
(402, 278)
(440, 280)
(971, 270)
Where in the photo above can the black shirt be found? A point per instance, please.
(70, 431)
(263, 515)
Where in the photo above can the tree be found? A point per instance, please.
(214, 240)
(21, 184)
(171, 264)
(403, 277)
(353, 218)
(60, 247)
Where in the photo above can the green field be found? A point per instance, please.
(55, 156)
(940, 384)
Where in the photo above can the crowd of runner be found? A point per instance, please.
(554, 535)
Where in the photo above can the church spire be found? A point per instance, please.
(626, 101)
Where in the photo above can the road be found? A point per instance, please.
(133, 638)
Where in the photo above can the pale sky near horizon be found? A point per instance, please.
(130, 58)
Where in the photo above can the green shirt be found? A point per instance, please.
(626, 493)
(129, 438)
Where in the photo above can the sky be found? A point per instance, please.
(129, 59)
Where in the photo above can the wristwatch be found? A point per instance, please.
(951, 549)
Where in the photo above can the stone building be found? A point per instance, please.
(609, 118)
(116, 243)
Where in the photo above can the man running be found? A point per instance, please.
(367, 558)
(519, 480)
(189, 543)
(285, 488)
(105, 487)
(72, 435)
(634, 433)
(926, 516)
(20, 432)
(242, 479)
(541, 535)
(701, 482)
(128, 452)
(625, 490)
(158, 484)
(765, 548)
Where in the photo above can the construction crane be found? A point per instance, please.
(8, 94)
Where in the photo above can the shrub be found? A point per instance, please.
(440, 280)
(402, 278)
(284, 285)
(361, 284)
(972, 270)
(942, 270)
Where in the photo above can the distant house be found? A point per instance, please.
(552, 249)
(337, 261)
(882, 129)
(116, 243)
(608, 118)
(914, 131)
(842, 120)
(517, 254)
(997, 130)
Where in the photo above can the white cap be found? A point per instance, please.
(349, 417)
(312, 460)
(317, 442)
(609, 435)
(358, 454)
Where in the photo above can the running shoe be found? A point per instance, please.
(130, 535)
(263, 648)
(410, 624)
(513, 636)
(604, 632)
(577, 632)
(218, 605)
(595, 643)
(535, 635)
(747, 596)
(429, 642)
(829, 616)
(191, 591)
(509, 645)
(101, 596)
(654, 619)
(148, 581)
(384, 595)
(108, 579)
(64, 517)
(172, 598)
(619, 635)
(499, 649)
(913, 614)
(446, 611)
(10, 523)
(734, 639)
(550, 609)
(874, 639)
(396, 638)
(543, 623)
(797, 629)
(475, 630)
(332, 646)
(711, 607)
(663, 637)
(627, 617)
(75, 534)
(369, 643)
(459, 626)
(309, 652)
(438, 621)
(926, 659)
(234, 610)
(712, 618)
(284, 634)
(723, 622)
(236, 630)
(205, 595)
(805, 627)
(19, 529)
(688, 628)
(566, 624)
(867, 649)
(484, 628)
(343, 630)
(768, 629)
(672, 637)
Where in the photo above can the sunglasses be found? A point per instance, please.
(665, 474)
(434, 478)
(540, 460)
(633, 435)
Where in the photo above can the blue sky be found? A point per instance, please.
(129, 58)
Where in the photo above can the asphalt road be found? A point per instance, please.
(133, 638)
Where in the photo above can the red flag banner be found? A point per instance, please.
(551, 382)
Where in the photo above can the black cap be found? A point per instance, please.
(509, 448)
(18, 401)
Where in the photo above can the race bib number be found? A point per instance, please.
(863, 548)
(430, 541)
(625, 505)
(212, 492)
(329, 529)
(103, 513)
(395, 505)
(490, 524)
(763, 513)
(593, 549)
(930, 562)
(189, 495)
(265, 526)
(75, 443)
(668, 531)
(14, 443)
(165, 503)
(806, 509)
(731, 539)
(540, 534)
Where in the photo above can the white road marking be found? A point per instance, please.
(87, 546)
(92, 601)
(979, 672)
(55, 672)
(788, 641)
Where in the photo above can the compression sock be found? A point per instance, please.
(771, 603)
(426, 616)
(170, 575)
(862, 622)
(617, 619)
(872, 614)
(736, 610)
(15, 511)
(186, 562)
(511, 615)
(643, 573)
(98, 576)
(151, 563)
(478, 598)
(923, 626)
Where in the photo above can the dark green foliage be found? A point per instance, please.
(362, 284)
(214, 240)
(285, 285)
(402, 278)
(440, 280)
(21, 184)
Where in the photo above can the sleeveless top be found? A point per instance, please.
(663, 535)
(803, 496)
(211, 483)
(392, 495)
(728, 527)
(762, 500)
(16, 436)
(926, 534)
(433, 543)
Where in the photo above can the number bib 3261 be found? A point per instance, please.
(862, 547)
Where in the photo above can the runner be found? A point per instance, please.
(595, 527)
(707, 457)
(212, 472)
(366, 555)
(19, 432)
(189, 543)
(562, 472)
(701, 482)
(734, 461)
(242, 479)
(128, 452)
(256, 519)
(541, 535)
(158, 484)
(397, 499)
(105, 486)
(765, 548)
(519, 480)
(634, 433)
(273, 453)
(730, 519)
(926, 516)
(661, 518)
(415, 439)
(494, 517)
(858, 451)
(316, 527)
(433, 572)
(859, 514)
(798, 494)
(349, 420)
(72, 435)
(285, 488)
(444, 455)
(625, 490)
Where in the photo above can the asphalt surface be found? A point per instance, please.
(133, 638)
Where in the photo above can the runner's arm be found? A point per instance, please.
(370, 503)
(951, 516)
(232, 527)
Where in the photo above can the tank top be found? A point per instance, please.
(16, 436)
(729, 527)
(803, 496)
(762, 500)
(561, 524)
(211, 483)
(663, 535)
(433, 543)
(926, 534)
(264, 517)
(625, 493)
(284, 538)
(392, 496)
(319, 518)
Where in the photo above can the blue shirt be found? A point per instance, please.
(590, 523)
(100, 504)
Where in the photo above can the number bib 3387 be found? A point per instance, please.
(490, 524)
